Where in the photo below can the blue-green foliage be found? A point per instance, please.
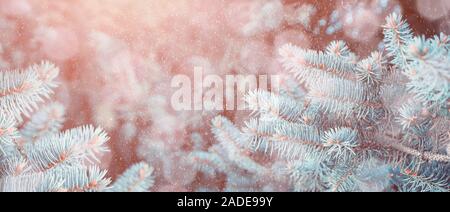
(37, 156)
(21, 91)
(424, 61)
(433, 177)
(48, 120)
(397, 34)
(230, 157)
(138, 178)
(375, 124)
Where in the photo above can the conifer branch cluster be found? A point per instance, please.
(379, 123)
(35, 156)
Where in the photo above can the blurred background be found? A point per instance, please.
(117, 58)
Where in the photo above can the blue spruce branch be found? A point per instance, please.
(379, 123)
(37, 156)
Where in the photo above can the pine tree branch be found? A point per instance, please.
(47, 121)
(76, 145)
(392, 142)
(231, 139)
(138, 178)
(21, 91)
(8, 132)
(75, 179)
